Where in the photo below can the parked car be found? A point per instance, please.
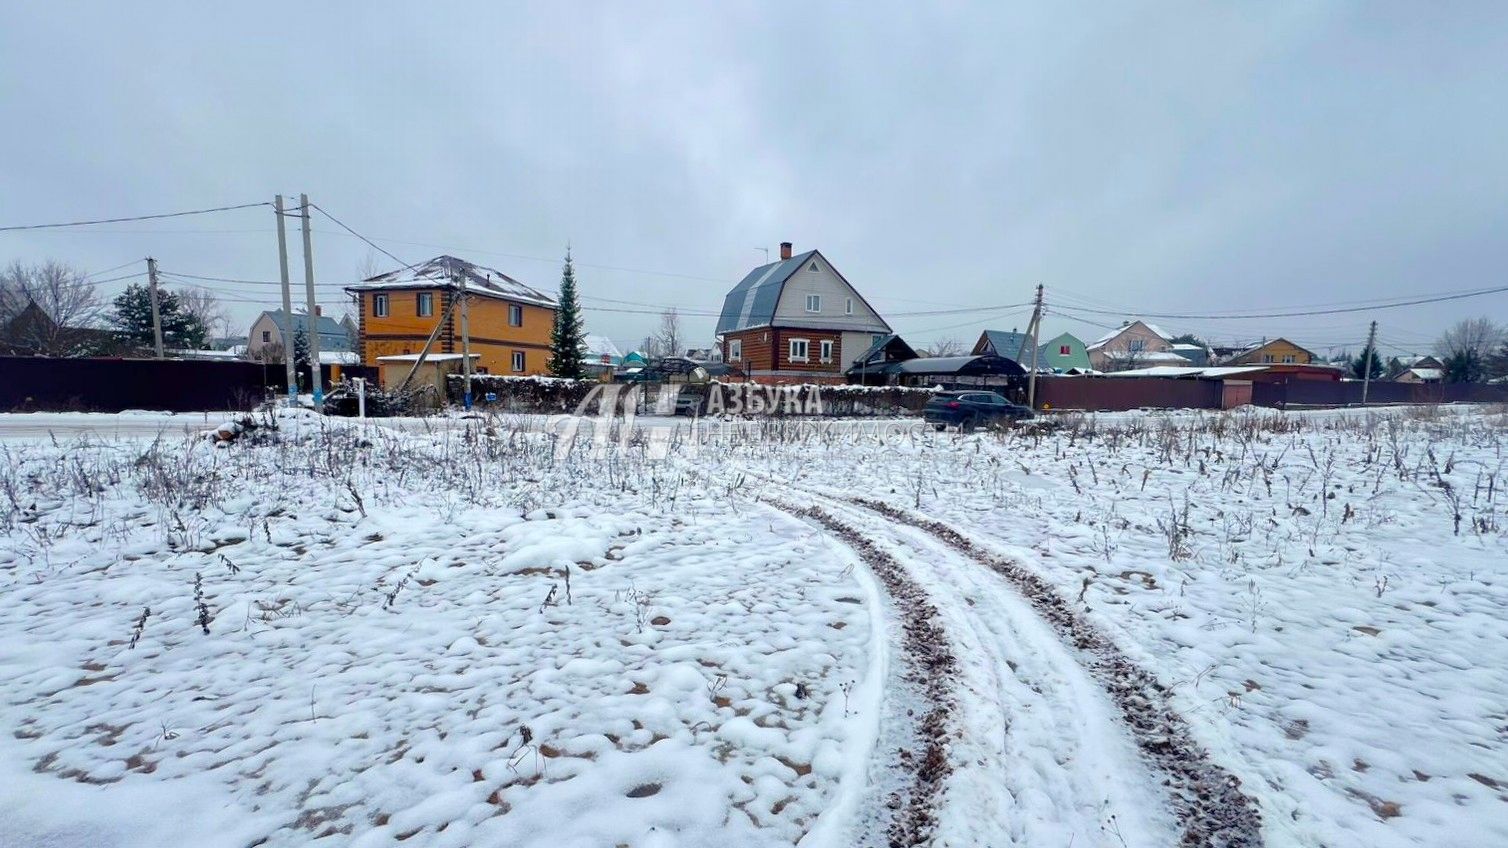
(967, 410)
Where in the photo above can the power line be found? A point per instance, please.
(1294, 314)
(132, 218)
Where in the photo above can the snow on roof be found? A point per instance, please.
(433, 357)
(339, 357)
(600, 345)
(1188, 371)
(441, 271)
(1427, 373)
(1123, 328)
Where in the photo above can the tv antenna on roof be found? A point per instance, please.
(766, 254)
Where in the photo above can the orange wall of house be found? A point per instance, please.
(404, 331)
(1277, 350)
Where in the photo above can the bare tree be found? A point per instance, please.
(207, 309)
(668, 337)
(272, 352)
(1471, 337)
(50, 309)
(369, 266)
(946, 346)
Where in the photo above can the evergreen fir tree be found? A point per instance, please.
(1368, 356)
(132, 319)
(300, 341)
(566, 340)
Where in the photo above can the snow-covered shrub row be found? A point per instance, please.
(555, 394)
(525, 394)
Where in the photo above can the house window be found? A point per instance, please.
(813, 267)
(516, 319)
(736, 350)
(424, 304)
(1063, 350)
(826, 348)
(1136, 345)
(266, 336)
(814, 303)
(1288, 359)
(518, 360)
(1267, 357)
(848, 307)
(379, 306)
(798, 350)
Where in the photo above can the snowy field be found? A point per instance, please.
(1133, 630)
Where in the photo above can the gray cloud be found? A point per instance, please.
(1167, 157)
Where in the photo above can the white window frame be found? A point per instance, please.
(825, 350)
(424, 304)
(515, 315)
(848, 306)
(1136, 345)
(814, 303)
(804, 356)
(736, 350)
(379, 306)
(1290, 359)
(519, 361)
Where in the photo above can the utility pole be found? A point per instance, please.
(156, 310)
(287, 329)
(1366, 366)
(1036, 326)
(313, 316)
(460, 275)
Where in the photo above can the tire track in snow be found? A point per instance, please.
(1208, 801)
(929, 666)
(1043, 758)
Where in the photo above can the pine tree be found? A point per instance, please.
(566, 340)
(300, 341)
(1360, 365)
(132, 319)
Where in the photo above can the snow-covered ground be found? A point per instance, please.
(462, 632)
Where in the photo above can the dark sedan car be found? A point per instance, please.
(967, 410)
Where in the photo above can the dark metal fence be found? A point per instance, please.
(112, 385)
(1111, 394)
(1348, 393)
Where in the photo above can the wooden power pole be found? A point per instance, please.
(313, 316)
(1366, 365)
(156, 309)
(287, 328)
(1036, 330)
(460, 275)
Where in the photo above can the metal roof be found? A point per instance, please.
(752, 302)
(441, 271)
(981, 364)
(1008, 344)
(333, 335)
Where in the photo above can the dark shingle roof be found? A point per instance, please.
(439, 273)
(752, 302)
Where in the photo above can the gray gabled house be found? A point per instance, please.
(796, 321)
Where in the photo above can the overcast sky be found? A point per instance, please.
(1186, 158)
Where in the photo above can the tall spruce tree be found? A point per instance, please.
(1367, 360)
(132, 319)
(566, 340)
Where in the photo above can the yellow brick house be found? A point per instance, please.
(510, 322)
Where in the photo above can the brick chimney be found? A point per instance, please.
(785, 250)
